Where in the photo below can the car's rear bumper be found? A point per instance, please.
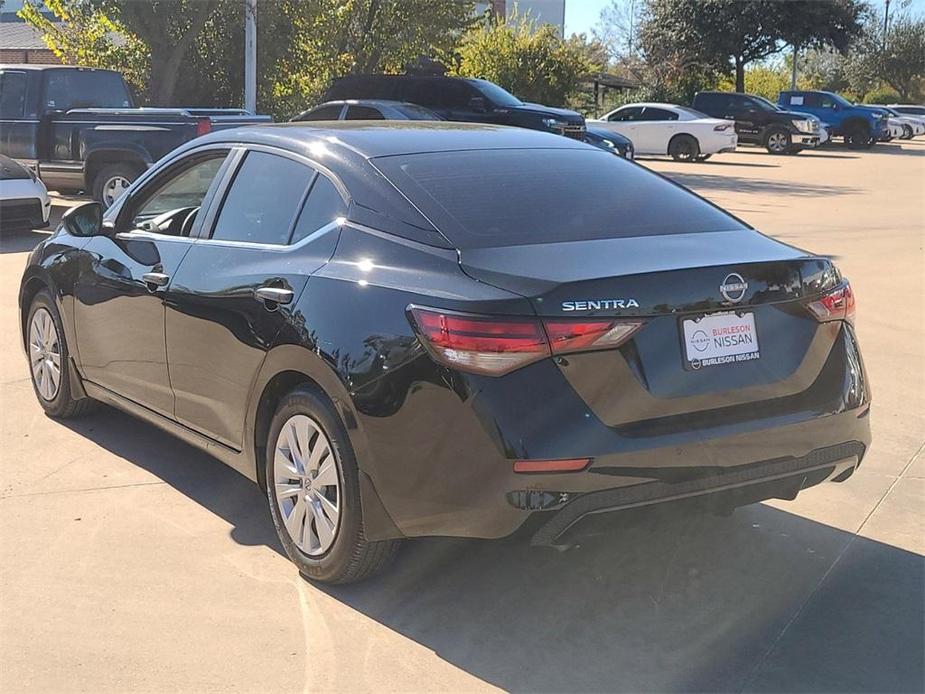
(724, 489)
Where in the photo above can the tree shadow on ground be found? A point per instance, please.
(664, 599)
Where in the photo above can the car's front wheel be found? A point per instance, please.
(48, 360)
(778, 141)
(907, 132)
(313, 490)
(684, 148)
(858, 136)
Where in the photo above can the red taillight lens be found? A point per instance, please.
(547, 466)
(480, 344)
(578, 336)
(838, 304)
(721, 127)
(203, 126)
(498, 345)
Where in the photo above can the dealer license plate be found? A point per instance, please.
(720, 338)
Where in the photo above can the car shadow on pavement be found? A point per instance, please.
(21, 241)
(701, 181)
(662, 599)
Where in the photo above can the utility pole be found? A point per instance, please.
(793, 75)
(250, 56)
(886, 20)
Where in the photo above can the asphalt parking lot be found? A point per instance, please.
(131, 561)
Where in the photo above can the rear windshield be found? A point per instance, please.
(67, 89)
(490, 198)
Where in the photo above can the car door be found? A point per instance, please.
(624, 121)
(654, 128)
(233, 293)
(19, 126)
(119, 295)
(746, 116)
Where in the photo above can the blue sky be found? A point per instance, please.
(581, 15)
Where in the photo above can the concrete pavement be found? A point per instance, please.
(130, 561)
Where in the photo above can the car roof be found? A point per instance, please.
(370, 139)
(367, 102)
(48, 66)
(652, 104)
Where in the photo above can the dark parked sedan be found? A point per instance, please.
(408, 329)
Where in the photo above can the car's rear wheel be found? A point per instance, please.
(48, 360)
(313, 490)
(111, 181)
(684, 148)
(778, 141)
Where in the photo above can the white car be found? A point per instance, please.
(682, 132)
(911, 125)
(896, 128)
(914, 110)
(24, 202)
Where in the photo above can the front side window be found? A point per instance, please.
(171, 204)
(263, 199)
(12, 94)
(363, 113)
(626, 114)
(658, 114)
(331, 112)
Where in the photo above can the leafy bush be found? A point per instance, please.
(882, 96)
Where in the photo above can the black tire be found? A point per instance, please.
(908, 133)
(62, 405)
(351, 557)
(778, 141)
(109, 174)
(858, 136)
(704, 157)
(684, 148)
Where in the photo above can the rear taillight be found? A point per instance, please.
(838, 304)
(203, 126)
(721, 127)
(496, 345)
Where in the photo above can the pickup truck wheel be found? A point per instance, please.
(111, 181)
(858, 136)
(778, 141)
(684, 148)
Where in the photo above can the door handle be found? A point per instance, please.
(154, 280)
(273, 296)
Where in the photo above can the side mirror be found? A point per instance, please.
(477, 104)
(84, 220)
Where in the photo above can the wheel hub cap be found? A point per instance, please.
(44, 354)
(114, 187)
(307, 485)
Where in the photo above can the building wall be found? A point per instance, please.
(540, 11)
(19, 56)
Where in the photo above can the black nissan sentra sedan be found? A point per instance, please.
(401, 329)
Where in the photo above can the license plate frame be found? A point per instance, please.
(738, 342)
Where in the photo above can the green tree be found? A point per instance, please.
(332, 38)
(80, 33)
(728, 35)
(531, 62)
(900, 62)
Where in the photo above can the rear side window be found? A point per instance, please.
(626, 114)
(441, 93)
(491, 198)
(363, 113)
(12, 94)
(323, 205)
(67, 89)
(710, 103)
(263, 199)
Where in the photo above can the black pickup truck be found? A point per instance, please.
(78, 127)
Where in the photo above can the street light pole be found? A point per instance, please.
(793, 75)
(250, 55)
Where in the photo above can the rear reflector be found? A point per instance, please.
(838, 304)
(567, 465)
(203, 126)
(498, 345)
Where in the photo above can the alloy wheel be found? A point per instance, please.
(307, 485)
(777, 142)
(45, 354)
(113, 188)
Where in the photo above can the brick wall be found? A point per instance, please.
(28, 55)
